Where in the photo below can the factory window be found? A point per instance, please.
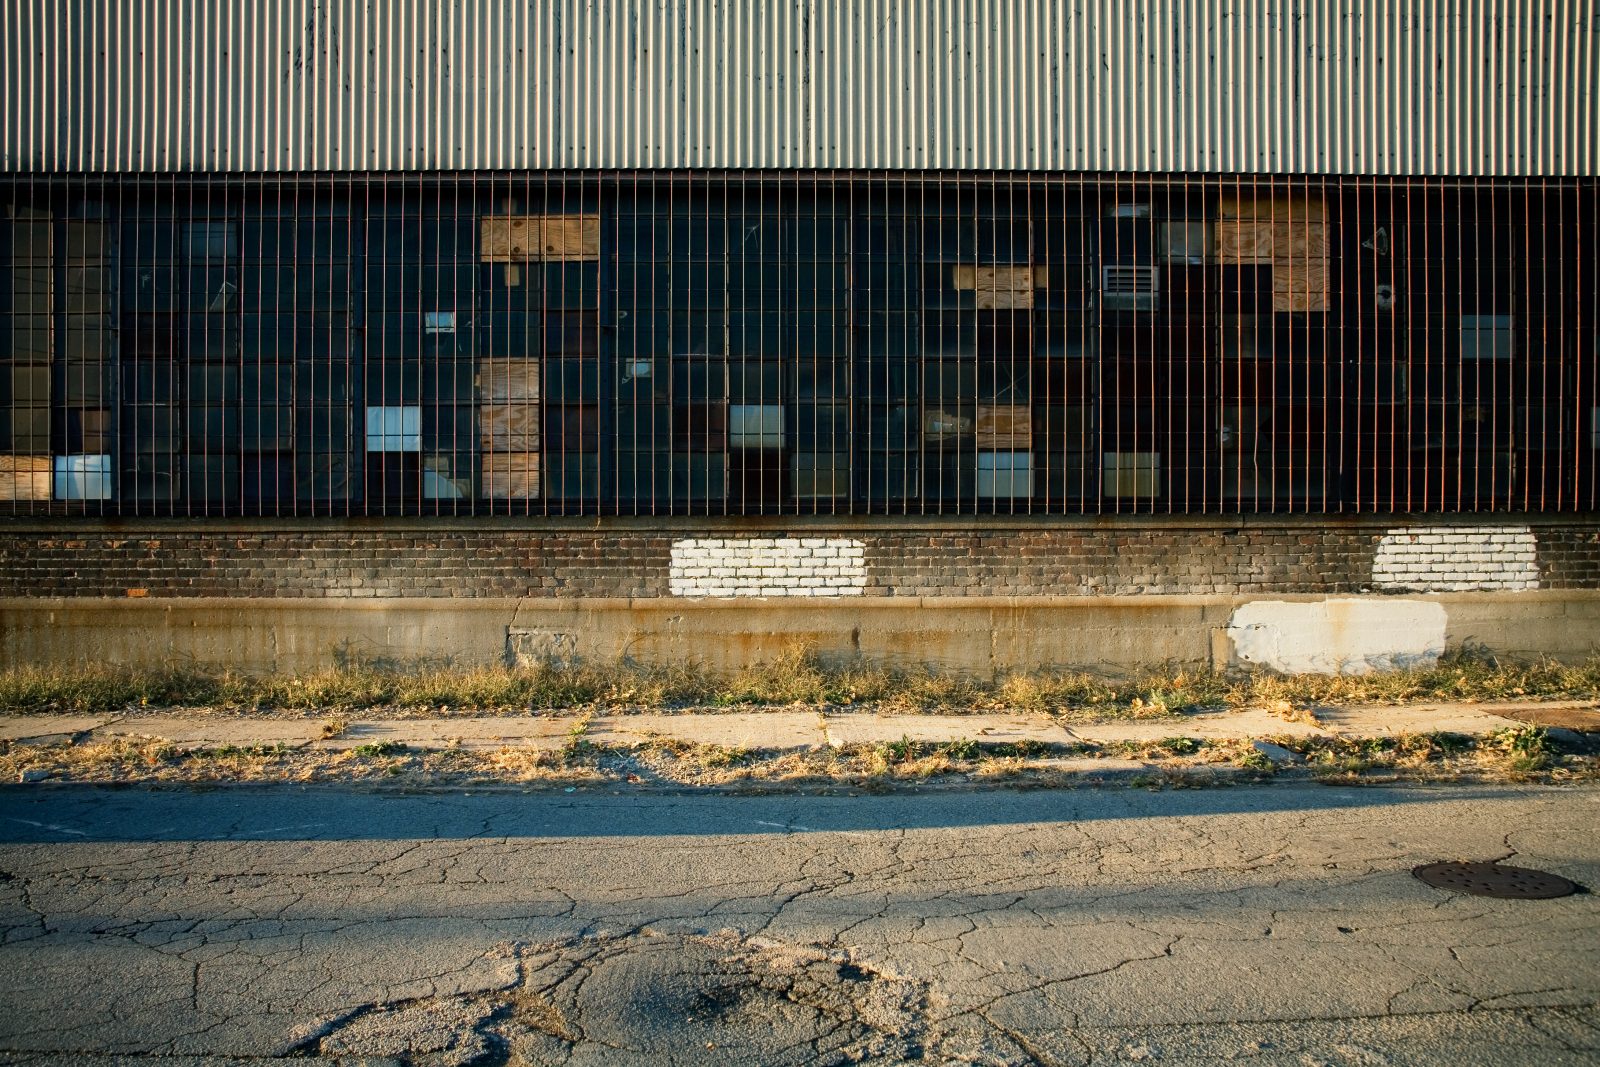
(785, 343)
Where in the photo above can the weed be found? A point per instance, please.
(1180, 746)
(961, 749)
(379, 748)
(798, 674)
(241, 751)
(1450, 744)
(901, 751)
(1252, 760)
(1524, 749)
(578, 749)
(718, 756)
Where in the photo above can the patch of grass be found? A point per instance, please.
(961, 749)
(236, 751)
(797, 675)
(96, 688)
(379, 748)
(1524, 749)
(901, 751)
(1252, 760)
(1460, 676)
(1023, 748)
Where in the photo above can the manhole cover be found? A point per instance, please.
(1495, 880)
(1583, 720)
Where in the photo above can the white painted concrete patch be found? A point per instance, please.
(1457, 559)
(768, 566)
(1341, 636)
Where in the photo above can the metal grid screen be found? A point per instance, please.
(796, 343)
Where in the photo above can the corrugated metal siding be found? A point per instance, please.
(1469, 87)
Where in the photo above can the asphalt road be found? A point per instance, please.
(1277, 925)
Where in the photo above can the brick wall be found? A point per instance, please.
(1569, 557)
(1122, 560)
(362, 564)
(768, 566)
(1457, 559)
(1122, 557)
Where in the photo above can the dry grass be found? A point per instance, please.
(796, 676)
(1515, 755)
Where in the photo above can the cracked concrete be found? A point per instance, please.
(1280, 925)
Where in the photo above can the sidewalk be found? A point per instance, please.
(791, 730)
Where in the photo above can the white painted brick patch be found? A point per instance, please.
(1442, 559)
(768, 566)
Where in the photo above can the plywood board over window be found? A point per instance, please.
(1004, 427)
(510, 476)
(1000, 287)
(508, 379)
(538, 238)
(25, 477)
(1288, 233)
(508, 427)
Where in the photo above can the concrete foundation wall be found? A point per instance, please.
(982, 634)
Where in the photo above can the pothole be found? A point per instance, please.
(442, 1032)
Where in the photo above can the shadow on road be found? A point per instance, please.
(33, 814)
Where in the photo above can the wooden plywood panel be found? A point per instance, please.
(1290, 234)
(1000, 287)
(1273, 208)
(1004, 428)
(511, 476)
(569, 237)
(510, 238)
(508, 379)
(1299, 240)
(1300, 285)
(509, 427)
(535, 238)
(25, 477)
(1244, 241)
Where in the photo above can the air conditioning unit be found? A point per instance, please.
(1130, 288)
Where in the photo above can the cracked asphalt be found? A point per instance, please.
(1275, 925)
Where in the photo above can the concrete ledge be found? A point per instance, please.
(972, 633)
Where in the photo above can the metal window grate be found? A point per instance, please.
(795, 343)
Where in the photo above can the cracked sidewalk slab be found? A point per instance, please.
(543, 733)
(754, 731)
(48, 729)
(853, 728)
(208, 731)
